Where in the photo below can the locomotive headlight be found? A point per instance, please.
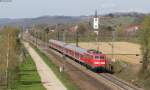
(96, 62)
(102, 62)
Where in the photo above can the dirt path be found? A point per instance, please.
(48, 78)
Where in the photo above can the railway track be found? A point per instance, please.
(75, 71)
(122, 84)
(109, 78)
(105, 78)
(116, 82)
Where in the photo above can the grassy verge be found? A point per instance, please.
(123, 70)
(28, 76)
(63, 77)
(129, 73)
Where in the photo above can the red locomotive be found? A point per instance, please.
(90, 58)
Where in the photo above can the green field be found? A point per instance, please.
(28, 76)
(63, 77)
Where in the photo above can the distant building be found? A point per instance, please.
(132, 28)
(73, 28)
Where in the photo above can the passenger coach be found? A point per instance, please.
(90, 58)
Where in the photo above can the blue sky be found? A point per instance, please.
(35, 8)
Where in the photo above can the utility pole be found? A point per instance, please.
(113, 39)
(7, 61)
(58, 35)
(77, 35)
(64, 35)
(47, 39)
(46, 31)
(57, 32)
(77, 38)
(36, 38)
(97, 40)
(96, 27)
(35, 35)
(97, 34)
(64, 56)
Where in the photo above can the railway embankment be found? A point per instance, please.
(48, 78)
(62, 76)
(72, 77)
(28, 78)
(92, 81)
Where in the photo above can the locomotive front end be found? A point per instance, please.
(99, 61)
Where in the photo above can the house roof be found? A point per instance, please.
(133, 27)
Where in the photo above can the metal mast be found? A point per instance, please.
(96, 27)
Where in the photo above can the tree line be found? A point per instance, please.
(10, 53)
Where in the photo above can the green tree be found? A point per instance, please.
(121, 34)
(145, 42)
(9, 43)
(82, 29)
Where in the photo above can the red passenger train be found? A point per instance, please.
(90, 58)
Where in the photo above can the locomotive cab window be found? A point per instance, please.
(102, 57)
(97, 57)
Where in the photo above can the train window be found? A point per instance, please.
(81, 56)
(86, 56)
(102, 57)
(97, 57)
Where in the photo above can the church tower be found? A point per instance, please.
(96, 21)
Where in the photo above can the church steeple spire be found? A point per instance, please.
(96, 14)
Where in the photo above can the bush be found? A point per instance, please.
(119, 66)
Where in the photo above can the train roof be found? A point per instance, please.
(77, 49)
(68, 46)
